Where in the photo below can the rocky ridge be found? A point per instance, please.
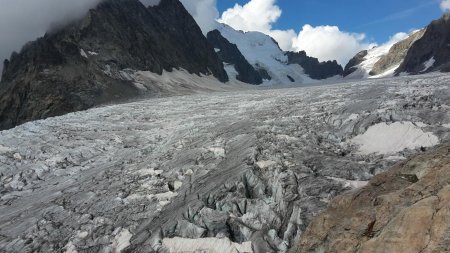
(396, 54)
(313, 68)
(431, 52)
(85, 63)
(354, 62)
(423, 51)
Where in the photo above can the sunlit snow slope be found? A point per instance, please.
(261, 51)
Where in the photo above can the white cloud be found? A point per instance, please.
(323, 42)
(330, 43)
(285, 38)
(204, 12)
(25, 20)
(256, 15)
(259, 15)
(445, 5)
(396, 38)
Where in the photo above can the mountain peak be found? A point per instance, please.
(81, 64)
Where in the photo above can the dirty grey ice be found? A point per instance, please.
(248, 170)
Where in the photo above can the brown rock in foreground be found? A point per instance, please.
(406, 209)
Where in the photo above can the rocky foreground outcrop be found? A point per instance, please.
(406, 209)
(84, 64)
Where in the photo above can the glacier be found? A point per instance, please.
(249, 168)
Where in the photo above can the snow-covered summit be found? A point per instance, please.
(264, 53)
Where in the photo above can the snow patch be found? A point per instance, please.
(165, 196)
(231, 71)
(140, 86)
(217, 151)
(385, 138)
(350, 183)
(210, 245)
(83, 53)
(17, 156)
(92, 53)
(149, 172)
(388, 73)
(287, 137)
(444, 125)
(372, 57)
(70, 248)
(181, 82)
(4, 150)
(265, 164)
(121, 240)
(177, 185)
(82, 234)
(395, 158)
(420, 124)
(352, 117)
(428, 64)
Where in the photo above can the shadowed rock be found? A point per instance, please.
(354, 62)
(315, 69)
(432, 51)
(230, 53)
(396, 54)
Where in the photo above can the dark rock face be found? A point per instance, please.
(396, 54)
(433, 44)
(230, 53)
(80, 65)
(351, 65)
(264, 74)
(315, 69)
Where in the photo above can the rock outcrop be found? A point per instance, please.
(403, 210)
(229, 53)
(432, 51)
(354, 62)
(396, 54)
(315, 69)
(81, 65)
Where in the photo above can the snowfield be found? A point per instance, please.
(249, 168)
(386, 138)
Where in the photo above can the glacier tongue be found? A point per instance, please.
(243, 167)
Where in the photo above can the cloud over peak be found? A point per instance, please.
(445, 5)
(204, 12)
(323, 42)
(25, 20)
(256, 15)
(330, 43)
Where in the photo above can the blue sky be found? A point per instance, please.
(377, 19)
